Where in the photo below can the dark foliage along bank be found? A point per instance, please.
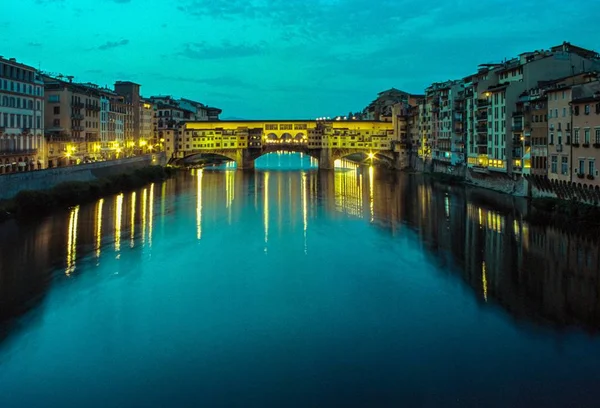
(39, 202)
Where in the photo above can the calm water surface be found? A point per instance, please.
(297, 288)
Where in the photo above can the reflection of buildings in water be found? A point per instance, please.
(349, 192)
(72, 241)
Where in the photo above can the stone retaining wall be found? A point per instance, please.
(11, 184)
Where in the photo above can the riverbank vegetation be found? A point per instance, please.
(32, 203)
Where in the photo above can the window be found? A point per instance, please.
(563, 94)
(551, 138)
(56, 123)
(554, 167)
(57, 110)
(597, 139)
(587, 109)
(556, 112)
(564, 167)
(576, 137)
(581, 166)
(591, 167)
(550, 113)
(564, 111)
(587, 136)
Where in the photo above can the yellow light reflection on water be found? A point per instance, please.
(144, 212)
(151, 214)
(371, 207)
(132, 235)
(304, 210)
(99, 226)
(266, 209)
(199, 204)
(72, 240)
(229, 192)
(118, 215)
(484, 281)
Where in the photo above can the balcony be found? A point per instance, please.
(517, 128)
(77, 116)
(78, 128)
(482, 129)
(92, 107)
(585, 145)
(482, 116)
(517, 113)
(17, 152)
(482, 102)
(481, 141)
(77, 105)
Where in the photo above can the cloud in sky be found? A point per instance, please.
(288, 58)
(112, 44)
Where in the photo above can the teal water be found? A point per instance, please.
(220, 288)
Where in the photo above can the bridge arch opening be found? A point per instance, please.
(207, 159)
(285, 160)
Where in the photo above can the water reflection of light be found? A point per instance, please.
(99, 226)
(199, 204)
(144, 211)
(304, 210)
(118, 214)
(371, 208)
(348, 192)
(266, 210)
(229, 192)
(72, 240)
(132, 235)
(151, 214)
(447, 205)
(484, 281)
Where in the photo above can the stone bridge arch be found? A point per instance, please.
(382, 156)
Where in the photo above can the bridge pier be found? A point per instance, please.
(244, 160)
(326, 161)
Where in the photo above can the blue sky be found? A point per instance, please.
(284, 58)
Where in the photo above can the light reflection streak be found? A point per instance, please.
(199, 204)
(304, 210)
(484, 281)
(266, 210)
(151, 215)
(99, 226)
(230, 192)
(132, 238)
(371, 193)
(144, 212)
(72, 240)
(118, 215)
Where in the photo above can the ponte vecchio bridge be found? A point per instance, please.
(244, 141)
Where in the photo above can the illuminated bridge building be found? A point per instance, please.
(245, 141)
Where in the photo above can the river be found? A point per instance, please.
(285, 288)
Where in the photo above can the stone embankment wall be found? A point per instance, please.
(529, 186)
(11, 184)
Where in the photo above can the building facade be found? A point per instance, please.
(72, 121)
(586, 128)
(21, 117)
